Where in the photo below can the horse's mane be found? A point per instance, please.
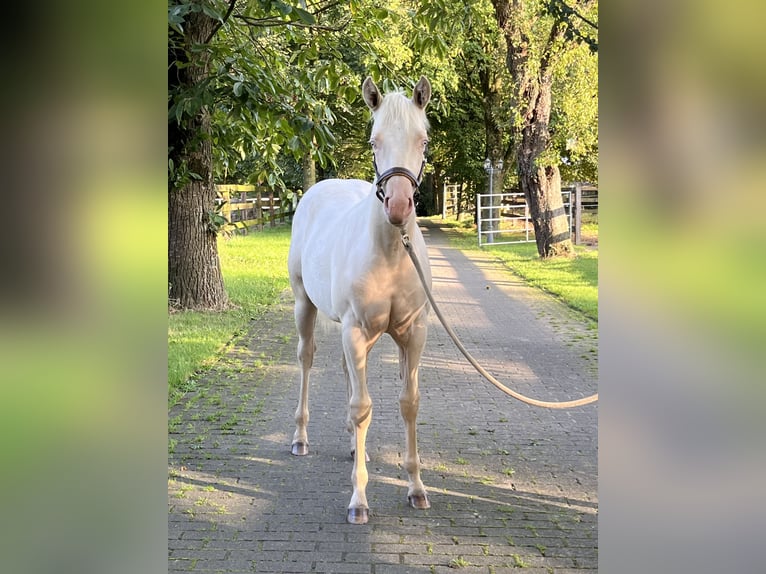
(396, 107)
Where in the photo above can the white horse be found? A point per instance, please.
(347, 260)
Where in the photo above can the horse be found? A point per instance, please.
(347, 260)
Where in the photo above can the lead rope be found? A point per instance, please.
(476, 365)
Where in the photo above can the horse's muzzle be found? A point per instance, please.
(398, 202)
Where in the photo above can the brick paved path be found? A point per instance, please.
(511, 486)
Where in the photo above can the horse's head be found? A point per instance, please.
(399, 142)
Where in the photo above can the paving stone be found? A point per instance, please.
(507, 482)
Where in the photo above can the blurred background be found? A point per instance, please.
(83, 288)
(682, 314)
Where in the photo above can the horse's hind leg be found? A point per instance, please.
(411, 348)
(305, 320)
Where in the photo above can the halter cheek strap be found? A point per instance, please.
(382, 178)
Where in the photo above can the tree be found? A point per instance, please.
(512, 107)
(194, 271)
(481, 109)
(263, 90)
(482, 57)
(246, 80)
(574, 115)
(537, 33)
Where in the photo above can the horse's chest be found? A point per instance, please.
(387, 300)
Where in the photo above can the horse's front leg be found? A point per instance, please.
(349, 423)
(355, 348)
(411, 349)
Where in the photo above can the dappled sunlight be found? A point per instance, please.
(277, 438)
(511, 498)
(508, 484)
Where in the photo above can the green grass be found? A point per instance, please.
(254, 268)
(574, 281)
(255, 272)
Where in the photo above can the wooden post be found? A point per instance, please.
(577, 212)
(226, 197)
(444, 200)
(259, 210)
(271, 209)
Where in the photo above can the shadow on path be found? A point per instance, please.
(510, 485)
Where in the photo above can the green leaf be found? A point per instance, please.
(283, 8)
(294, 143)
(304, 16)
(178, 112)
(211, 12)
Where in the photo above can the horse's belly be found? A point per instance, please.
(321, 221)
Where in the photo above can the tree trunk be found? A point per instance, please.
(540, 180)
(309, 171)
(542, 190)
(541, 183)
(194, 269)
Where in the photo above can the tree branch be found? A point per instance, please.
(548, 53)
(271, 21)
(326, 7)
(221, 22)
(564, 7)
(561, 13)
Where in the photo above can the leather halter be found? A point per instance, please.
(382, 178)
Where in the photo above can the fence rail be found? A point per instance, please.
(248, 206)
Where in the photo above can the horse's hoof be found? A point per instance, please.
(358, 515)
(300, 449)
(419, 501)
(366, 456)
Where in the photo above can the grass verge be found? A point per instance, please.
(254, 269)
(574, 281)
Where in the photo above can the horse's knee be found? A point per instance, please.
(409, 405)
(306, 349)
(359, 412)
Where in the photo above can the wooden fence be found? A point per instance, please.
(248, 207)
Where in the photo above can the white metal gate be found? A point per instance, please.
(503, 218)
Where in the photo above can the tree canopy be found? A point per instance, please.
(263, 91)
(285, 82)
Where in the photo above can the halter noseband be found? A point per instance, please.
(382, 178)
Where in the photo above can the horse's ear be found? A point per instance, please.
(422, 92)
(371, 94)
